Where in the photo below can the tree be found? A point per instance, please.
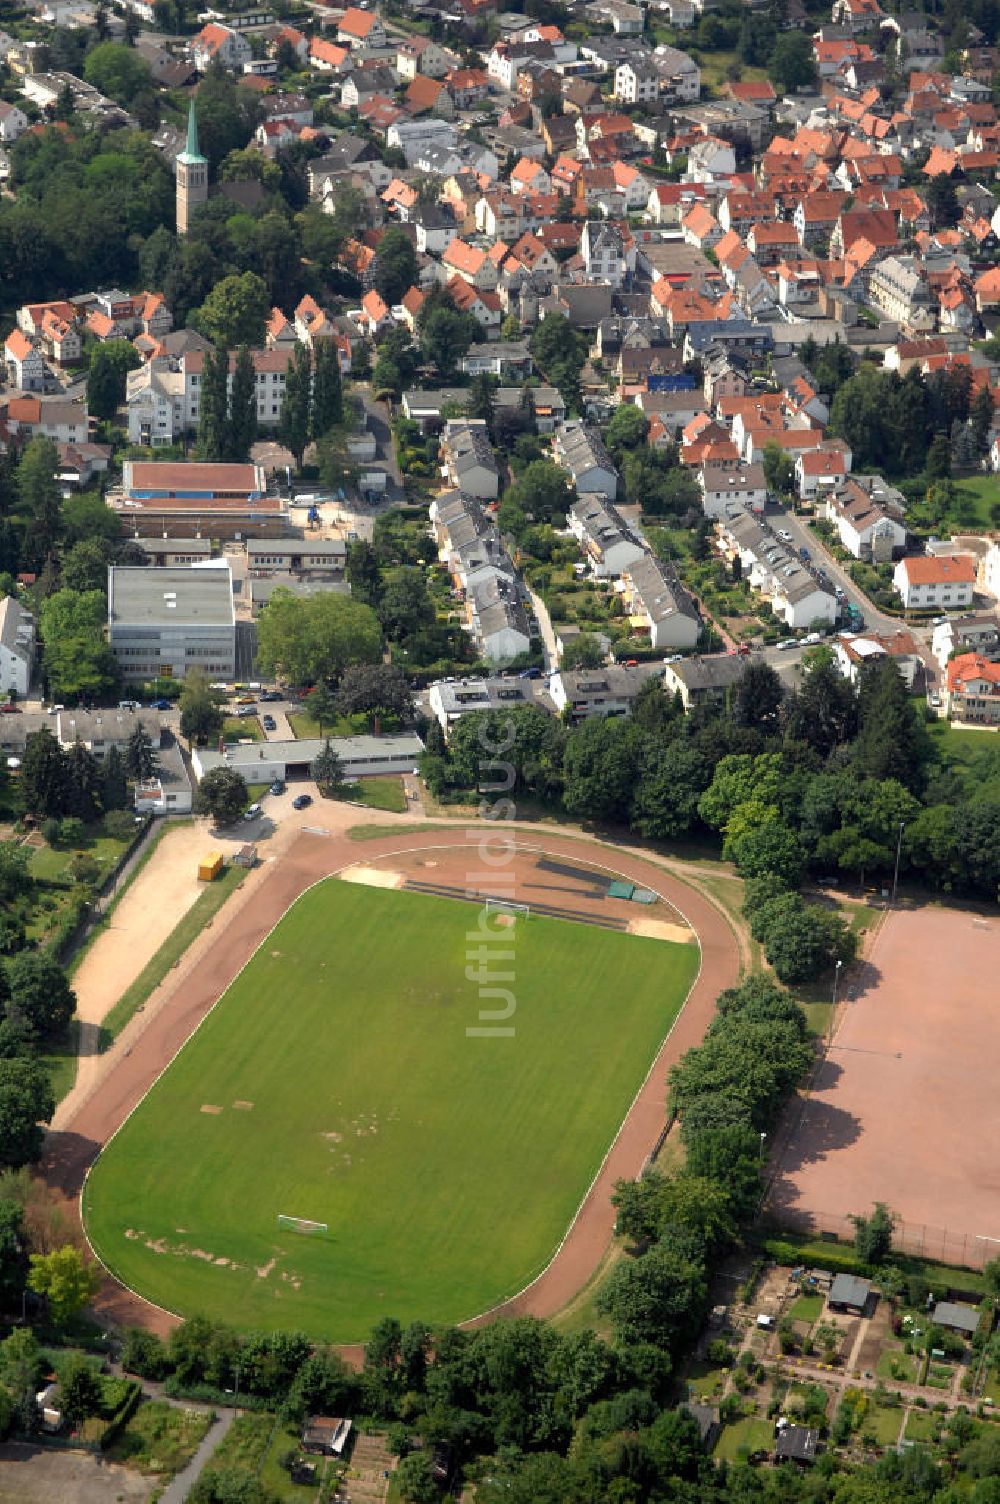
(328, 771)
(293, 427)
(84, 783)
(44, 776)
(237, 308)
(21, 1369)
(362, 572)
(213, 411)
(600, 769)
(79, 1388)
(327, 389)
(942, 202)
(543, 491)
(41, 997)
(26, 1102)
(396, 265)
(308, 640)
(114, 791)
(938, 464)
(583, 651)
(13, 1255)
(890, 743)
(415, 1479)
(85, 565)
(117, 71)
(201, 715)
(445, 337)
(405, 606)
(15, 877)
(757, 698)
(791, 65)
(39, 492)
(65, 1279)
(323, 706)
(76, 658)
(110, 364)
(374, 689)
(222, 794)
(659, 1297)
(779, 468)
(800, 940)
(824, 713)
(241, 429)
(140, 759)
(873, 1235)
(627, 430)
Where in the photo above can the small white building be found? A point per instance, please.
(659, 604)
(929, 583)
(978, 632)
(607, 543)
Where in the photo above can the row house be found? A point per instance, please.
(498, 620)
(469, 460)
(582, 453)
(607, 543)
(794, 591)
(658, 604)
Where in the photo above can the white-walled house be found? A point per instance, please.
(659, 604)
(17, 648)
(926, 582)
(606, 541)
(868, 524)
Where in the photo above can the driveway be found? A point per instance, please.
(548, 635)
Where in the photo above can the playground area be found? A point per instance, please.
(903, 1108)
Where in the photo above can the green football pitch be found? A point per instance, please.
(335, 1081)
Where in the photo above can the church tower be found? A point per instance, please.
(192, 177)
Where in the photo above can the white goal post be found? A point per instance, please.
(302, 1224)
(507, 906)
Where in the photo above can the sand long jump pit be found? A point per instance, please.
(905, 1107)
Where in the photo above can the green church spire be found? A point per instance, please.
(191, 152)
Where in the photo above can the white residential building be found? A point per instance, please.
(927, 583)
(17, 648)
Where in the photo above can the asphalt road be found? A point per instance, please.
(802, 537)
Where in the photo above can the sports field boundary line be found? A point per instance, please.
(533, 846)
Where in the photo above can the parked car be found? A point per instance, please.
(811, 639)
(245, 711)
(10, 708)
(253, 812)
(784, 535)
(302, 802)
(270, 695)
(277, 787)
(787, 642)
(245, 700)
(128, 704)
(269, 723)
(163, 705)
(804, 554)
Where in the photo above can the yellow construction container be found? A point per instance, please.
(210, 866)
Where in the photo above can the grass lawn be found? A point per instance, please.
(744, 1437)
(245, 728)
(49, 863)
(884, 1423)
(160, 1438)
(582, 1315)
(374, 1111)
(979, 494)
(807, 1308)
(921, 1425)
(380, 793)
(304, 725)
(60, 1062)
(707, 1380)
(894, 1364)
(958, 747)
(184, 934)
